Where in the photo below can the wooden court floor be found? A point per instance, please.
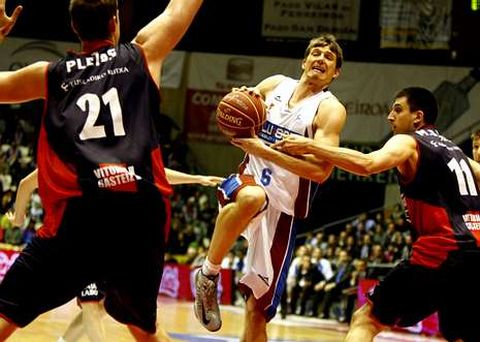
(179, 321)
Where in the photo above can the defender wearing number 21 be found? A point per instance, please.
(440, 189)
(100, 171)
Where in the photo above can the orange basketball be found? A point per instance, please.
(241, 114)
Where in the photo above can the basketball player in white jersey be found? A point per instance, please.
(272, 188)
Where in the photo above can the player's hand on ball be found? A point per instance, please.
(250, 145)
(250, 91)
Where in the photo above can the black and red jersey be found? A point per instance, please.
(98, 129)
(442, 200)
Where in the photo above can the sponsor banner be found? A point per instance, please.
(178, 282)
(19, 52)
(366, 89)
(211, 76)
(310, 18)
(219, 72)
(172, 70)
(7, 258)
(200, 118)
(422, 24)
(429, 326)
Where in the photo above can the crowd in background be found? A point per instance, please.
(328, 263)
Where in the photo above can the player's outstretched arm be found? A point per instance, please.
(7, 22)
(162, 34)
(176, 177)
(395, 153)
(25, 84)
(24, 192)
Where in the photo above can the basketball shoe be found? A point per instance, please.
(206, 304)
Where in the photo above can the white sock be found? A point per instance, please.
(61, 339)
(210, 269)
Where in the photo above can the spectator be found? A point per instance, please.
(334, 286)
(350, 293)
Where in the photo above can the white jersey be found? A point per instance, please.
(286, 191)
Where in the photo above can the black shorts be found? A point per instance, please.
(410, 293)
(115, 238)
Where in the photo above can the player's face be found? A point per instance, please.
(321, 64)
(400, 117)
(476, 149)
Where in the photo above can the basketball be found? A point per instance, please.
(240, 114)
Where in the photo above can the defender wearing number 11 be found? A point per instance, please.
(439, 186)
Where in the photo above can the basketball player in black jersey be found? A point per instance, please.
(100, 169)
(90, 299)
(440, 190)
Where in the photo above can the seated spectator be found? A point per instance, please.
(323, 265)
(305, 277)
(293, 268)
(29, 232)
(365, 246)
(377, 255)
(350, 293)
(13, 236)
(334, 286)
(228, 261)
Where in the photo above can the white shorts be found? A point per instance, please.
(271, 241)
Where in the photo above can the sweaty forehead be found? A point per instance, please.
(400, 102)
(321, 48)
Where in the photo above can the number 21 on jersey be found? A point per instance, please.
(91, 102)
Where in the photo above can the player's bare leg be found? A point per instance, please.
(364, 327)
(75, 329)
(232, 221)
(255, 329)
(92, 316)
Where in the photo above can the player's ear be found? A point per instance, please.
(112, 24)
(303, 63)
(73, 27)
(418, 118)
(337, 73)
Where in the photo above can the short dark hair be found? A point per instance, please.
(329, 40)
(421, 99)
(475, 135)
(91, 17)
